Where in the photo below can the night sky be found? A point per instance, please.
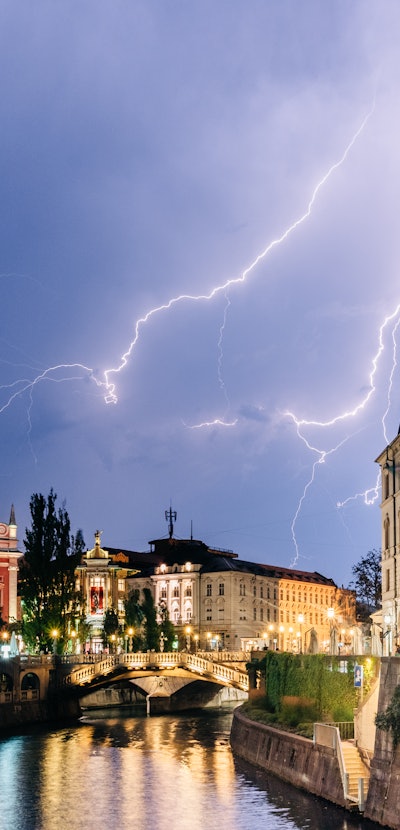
(150, 150)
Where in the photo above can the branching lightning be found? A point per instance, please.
(111, 396)
(108, 386)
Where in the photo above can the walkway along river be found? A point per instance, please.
(119, 771)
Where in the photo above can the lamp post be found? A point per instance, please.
(208, 637)
(270, 633)
(196, 642)
(5, 647)
(188, 631)
(300, 620)
(331, 616)
(131, 632)
(54, 635)
(217, 645)
(113, 638)
(162, 638)
(282, 642)
(73, 641)
(388, 633)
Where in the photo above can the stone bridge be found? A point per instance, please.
(168, 681)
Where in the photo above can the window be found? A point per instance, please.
(242, 589)
(388, 579)
(163, 592)
(188, 614)
(221, 589)
(175, 591)
(121, 585)
(268, 593)
(254, 613)
(275, 593)
(176, 616)
(254, 590)
(261, 592)
(188, 591)
(275, 615)
(386, 528)
(209, 589)
(121, 606)
(261, 614)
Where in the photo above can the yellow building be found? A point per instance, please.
(217, 601)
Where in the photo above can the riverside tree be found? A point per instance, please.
(47, 575)
(368, 583)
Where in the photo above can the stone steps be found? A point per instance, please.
(355, 768)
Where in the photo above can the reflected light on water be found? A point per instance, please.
(148, 774)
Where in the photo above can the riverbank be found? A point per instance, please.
(290, 757)
(16, 715)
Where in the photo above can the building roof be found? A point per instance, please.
(170, 551)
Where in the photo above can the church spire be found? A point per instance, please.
(12, 516)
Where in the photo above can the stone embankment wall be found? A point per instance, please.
(383, 800)
(16, 715)
(288, 756)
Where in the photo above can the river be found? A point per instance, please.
(119, 771)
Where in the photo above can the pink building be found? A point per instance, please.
(9, 556)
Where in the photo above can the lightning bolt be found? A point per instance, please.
(111, 396)
(371, 494)
(65, 372)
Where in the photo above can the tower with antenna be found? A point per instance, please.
(170, 517)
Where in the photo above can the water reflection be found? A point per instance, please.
(148, 774)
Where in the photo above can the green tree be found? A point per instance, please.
(367, 584)
(134, 618)
(151, 631)
(47, 574)
(167, 628)
(110, 627)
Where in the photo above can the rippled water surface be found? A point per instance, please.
(160, 773)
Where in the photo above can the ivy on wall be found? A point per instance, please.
(316, 678)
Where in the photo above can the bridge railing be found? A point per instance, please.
(207, 663)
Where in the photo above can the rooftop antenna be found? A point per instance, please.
(170, 517)
(191, 530)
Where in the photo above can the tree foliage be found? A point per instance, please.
(110, 626)
(389, 720)
(151, 631)
(47, 578)
(368, 583)
(167, 628)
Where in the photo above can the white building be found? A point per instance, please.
(389, 461)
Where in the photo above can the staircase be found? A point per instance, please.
(354, 769)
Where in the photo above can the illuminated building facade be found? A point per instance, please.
(217, 601)
(9, 556)
(389, 461)
(101, 583)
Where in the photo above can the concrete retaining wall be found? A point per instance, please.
(288, 756)
(383, 801)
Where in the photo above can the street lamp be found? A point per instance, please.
(330, 613)
(5, 647)
(281, 631)
(54, 635)
(208, 636)
(388, 633)
(113, 638)
(196, 642)
(188, 630)
(73, 640)
(300, 620)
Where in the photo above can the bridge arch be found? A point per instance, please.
(6, 682)
(30, 682)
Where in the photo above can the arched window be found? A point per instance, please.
(386, 529)
(30, 681)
